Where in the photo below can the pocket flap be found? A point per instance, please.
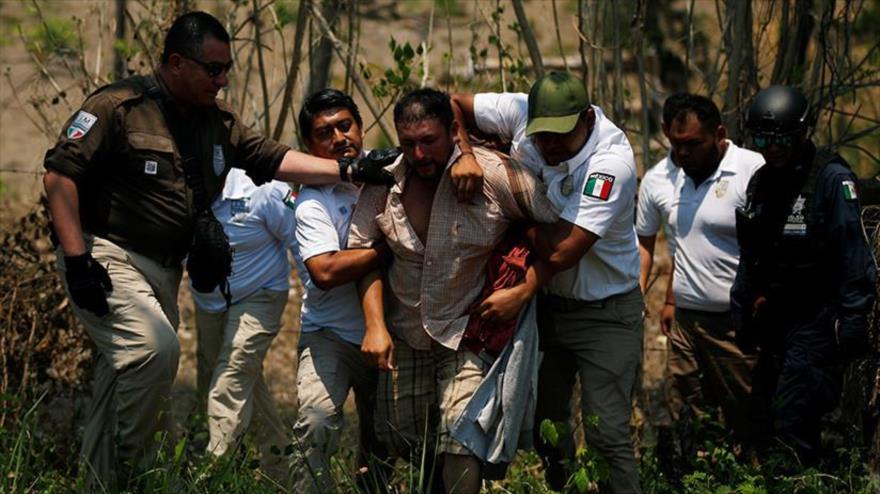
(152, 142)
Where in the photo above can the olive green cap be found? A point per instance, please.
(555, 101)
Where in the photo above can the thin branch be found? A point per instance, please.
(359, 82)
(529, 36)
(262, 66)
(558, 35)
(581, 39)
(862, 149)
(426, 47)
(52, 36)
(140, 39)
(45, 71)
(292, 74)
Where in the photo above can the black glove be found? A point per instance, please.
(87, 282)
(369, 169)
(209, 262)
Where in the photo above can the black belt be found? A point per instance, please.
(565, 304)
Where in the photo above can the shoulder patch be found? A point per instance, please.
(850, 192)
(599, 186)
(81, 125)
(289, 199)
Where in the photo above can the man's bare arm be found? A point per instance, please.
(63, 199)
(667, 313)
(377, 346)
(646, 259)
(306, 169)
(561, 245)
(332, 269)
(466, 174)
(505, 304)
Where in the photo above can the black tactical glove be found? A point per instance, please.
(209, 262)
(369, 169)
(87, 282)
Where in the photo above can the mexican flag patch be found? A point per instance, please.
(849, 190)
(290, 199)
(599, 186)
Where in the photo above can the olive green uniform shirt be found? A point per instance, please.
(129, 170)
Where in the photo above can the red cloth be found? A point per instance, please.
(506, 268)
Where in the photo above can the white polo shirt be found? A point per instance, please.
(260, 230)
(703, 222)
(595, 190)
(323, 215)
(655, 200)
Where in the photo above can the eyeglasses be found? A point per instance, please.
(763, 141)
(214, 68)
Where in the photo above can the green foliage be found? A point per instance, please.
(587, 469)
(396, 79)
(286, 11)
(55, 36)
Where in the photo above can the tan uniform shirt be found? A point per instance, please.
(129, 172)
(432, 285)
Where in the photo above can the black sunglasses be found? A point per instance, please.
(214, 68)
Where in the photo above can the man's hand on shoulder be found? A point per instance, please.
(467, 176)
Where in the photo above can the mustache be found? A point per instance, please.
(343, 147)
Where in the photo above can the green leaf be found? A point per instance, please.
(581, 481)
(549, 433)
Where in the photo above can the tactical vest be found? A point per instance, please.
(785, 238)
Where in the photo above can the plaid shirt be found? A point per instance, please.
(432, 285)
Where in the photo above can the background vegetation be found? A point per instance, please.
(631, 55)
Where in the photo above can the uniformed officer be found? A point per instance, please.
(594, 328)
(706, 368)
(806, 276)
(125, 181)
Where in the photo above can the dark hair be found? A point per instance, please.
(189, 32)
(321, 101)
(679, 105)
(423, 104)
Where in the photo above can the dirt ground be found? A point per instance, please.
(22, 147)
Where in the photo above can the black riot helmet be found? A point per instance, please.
(778, 113)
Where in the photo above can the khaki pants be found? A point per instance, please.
(328, 368)
(706, 368)
(135, 364)
(601, 342)
(232, 346)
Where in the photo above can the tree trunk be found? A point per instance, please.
(740, 64)
(119, 61)
(301, 18)
(319, 73)
(790, 64)
(529, 37)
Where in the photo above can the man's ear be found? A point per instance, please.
(454, 129)
(721, 132)
(174, 63)
(590, 115)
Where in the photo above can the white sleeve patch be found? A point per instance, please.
(81, 125)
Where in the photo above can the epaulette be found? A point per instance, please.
(120, 92)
